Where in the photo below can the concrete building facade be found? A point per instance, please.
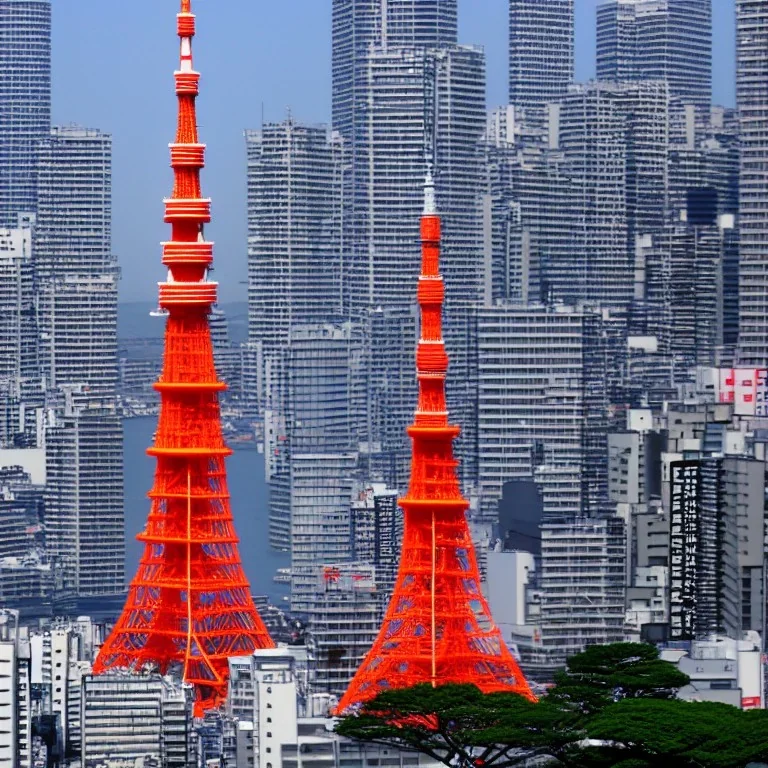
(84, 493)
(751, 98)
(667, 40)
(25, 102)
(541, 405)
(541, 46)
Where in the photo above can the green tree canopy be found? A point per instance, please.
(453, 723)
(604, 674)
(655, 732)
(613, 707)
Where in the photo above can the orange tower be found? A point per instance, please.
(189, 605)
(438, 627)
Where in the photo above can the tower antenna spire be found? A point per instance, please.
(430, 135)
(189, 605)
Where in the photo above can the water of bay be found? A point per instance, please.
(250, 498)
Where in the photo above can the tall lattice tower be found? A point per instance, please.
(438, 627)
(189, 605)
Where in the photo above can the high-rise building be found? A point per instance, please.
(342, 623)
(227, 356)
(323, 388)
(25, 102)
(381, 67)
(686, 298)
(321, 493)
(78, 330)
(17, 339)
(540, 51)
(667, 40)
(74, 224)
(360, 24)
(542, 405)
(582, 583)
(512, 214)
(704, 157)
(416, 85)
(722, 591)
(752, 101)
(315, 406)
(614, 143)
(76, 278)
(84, 493)
(294, 230)
(390, 390)
(376, 530)
(75, 269)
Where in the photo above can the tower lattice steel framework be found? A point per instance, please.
(189, 604)
(438, 627)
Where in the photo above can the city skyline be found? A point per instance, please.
(131, 102)
(582, 333)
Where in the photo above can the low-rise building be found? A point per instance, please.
(131, 717)
(721, 669)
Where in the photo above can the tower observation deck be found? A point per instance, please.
(189, 605)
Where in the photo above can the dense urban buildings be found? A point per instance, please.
(602, 259)
(61, 418)
(359, 25)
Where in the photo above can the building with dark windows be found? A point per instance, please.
(716, 547)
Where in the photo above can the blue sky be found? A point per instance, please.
(113, 65)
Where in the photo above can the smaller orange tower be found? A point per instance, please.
(438, 627)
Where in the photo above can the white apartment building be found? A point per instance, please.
(15, 694)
